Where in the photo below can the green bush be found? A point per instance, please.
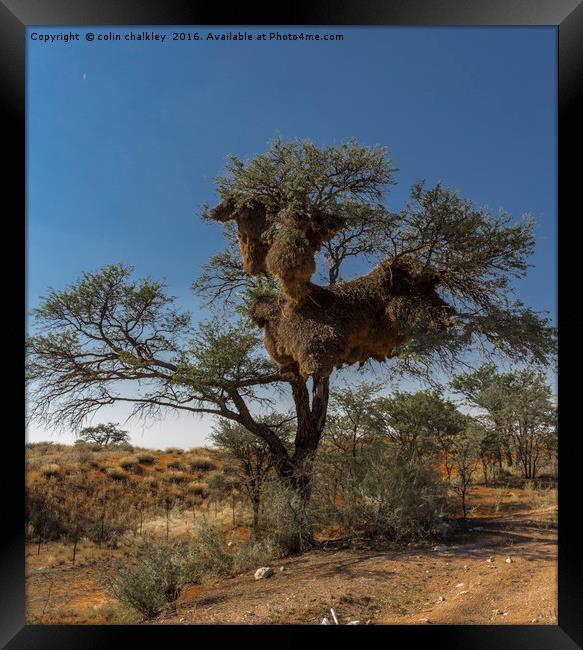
(175, 464)
(400, 499)
(152, 577)
(207, 557)
(146, 459)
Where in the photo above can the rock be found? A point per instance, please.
(263, 572)
(282, 568)
(466, 567)
(508, 560)
(440, 599)
(534, 620)
(490, 560)
(229, 544)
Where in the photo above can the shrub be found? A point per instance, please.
(174, 450)
(251, 554)
(128, 462)
(52, 469)
(146, 459)
(105, 531)
(152, 577)
(176, 477)
(115, 473)
(198, 489)
(175, 464)
(202, 465)
(206, 556)
(401, 500)
(229, 470)
(287, 528)
(216, 482)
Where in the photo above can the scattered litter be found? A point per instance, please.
(461, 584)
(326, 620)
(462, 592)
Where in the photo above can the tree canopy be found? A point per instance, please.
(442, 288)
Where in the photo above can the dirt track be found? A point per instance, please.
(455, 584)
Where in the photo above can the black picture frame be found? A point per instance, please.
(567, 16)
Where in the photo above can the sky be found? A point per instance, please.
(125, 138)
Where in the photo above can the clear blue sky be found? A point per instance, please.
(124, 140)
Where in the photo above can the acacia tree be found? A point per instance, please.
(518, 411)
(421, 423)
(103, 434)
(442, 287)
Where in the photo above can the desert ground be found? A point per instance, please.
(497, 567)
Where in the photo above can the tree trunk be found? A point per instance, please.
(256, 504)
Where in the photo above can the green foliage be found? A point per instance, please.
(206, 557)
(403, 500)
(421, 423)
(150, 579)
(299, 173)
(518, 412)
(103, 434)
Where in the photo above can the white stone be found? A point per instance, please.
(263, 572)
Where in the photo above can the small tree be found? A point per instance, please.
(517, 409)
(103, 434)
(465, 456)
(253, 455)
(422, 423)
